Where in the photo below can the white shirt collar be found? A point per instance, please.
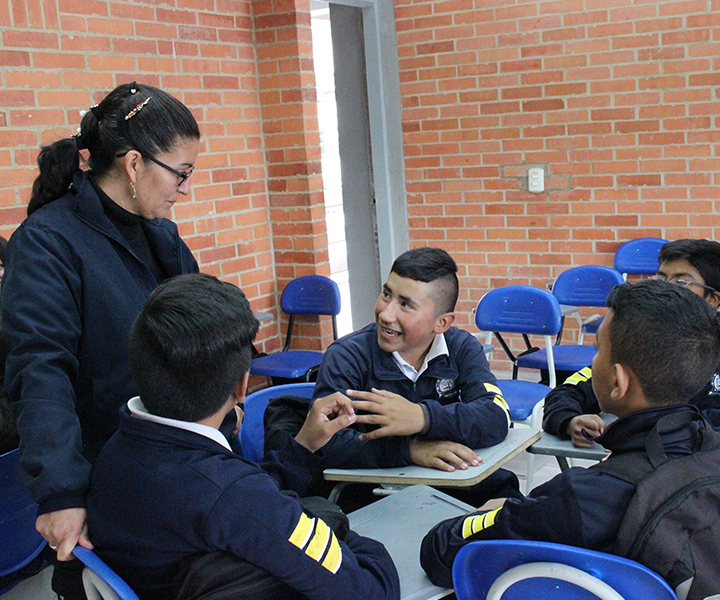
(138, 410)
(437, 348)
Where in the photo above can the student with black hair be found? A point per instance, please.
(657, 347)
(423, 389)
(167, 489)
(572, 406)
(79, 269)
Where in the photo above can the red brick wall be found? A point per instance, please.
(616, 100)
(259, 168)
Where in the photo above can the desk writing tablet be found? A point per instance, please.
(400, 521)
(493, 457)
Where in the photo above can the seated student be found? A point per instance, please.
(423, 389)
(572, 407)
(657, 347)
(167, 487)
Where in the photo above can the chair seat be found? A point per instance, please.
(567, 358)
(522, 396)
(21, 542)
(287, 365)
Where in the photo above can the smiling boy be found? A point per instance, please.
(423, 389)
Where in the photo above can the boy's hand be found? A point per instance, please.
(394, 414)
(441, 455)
(326, 417)
(592, 424)
(63, 529)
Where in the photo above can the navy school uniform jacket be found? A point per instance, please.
(579, 507)
(160, 494)
(71, 291)
(459, 393)
(576, 397)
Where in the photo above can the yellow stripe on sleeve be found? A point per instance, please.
(320, 541)
(473, 525)
(580, 376)
(493, 389)
(333, 558)
(302, 532)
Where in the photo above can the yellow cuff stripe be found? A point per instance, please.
(473, 525)
(580, 376)
(317, 540)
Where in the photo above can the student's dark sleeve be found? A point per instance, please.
(573, 398)
(482, 417)
(258, 524)
(534, 518)
(292, 467)
(344, 369)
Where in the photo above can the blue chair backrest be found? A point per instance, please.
(519, 309)
(588, 285)
(479, 564)
(639, 256)
(19, 540)
(93, 562)
(252, 431)
(311, 295)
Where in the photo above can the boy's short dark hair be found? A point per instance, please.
(190, 346)
(704, 255)
(431, 265)
(667, 335)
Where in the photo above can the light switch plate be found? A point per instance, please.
(536, 180)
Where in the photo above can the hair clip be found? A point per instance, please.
(133, 88)
(137, 109)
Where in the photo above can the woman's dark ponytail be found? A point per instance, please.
(58, 163)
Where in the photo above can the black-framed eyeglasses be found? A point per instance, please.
(183, 176)
(684, 283)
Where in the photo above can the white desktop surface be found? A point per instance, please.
(494, 457)
(400, 521)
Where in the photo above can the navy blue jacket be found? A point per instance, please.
(579, 507)
(576, 397)
(458, 391)
(159, 494)
(71, 291)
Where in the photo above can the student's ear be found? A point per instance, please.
(621, 382)
(443, 322)
(241, 388)
(713, 299)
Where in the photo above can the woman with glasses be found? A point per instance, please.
(95, 244)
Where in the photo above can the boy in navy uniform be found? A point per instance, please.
(167, 488)
(572, 407)
(422, 389)
(657, 348)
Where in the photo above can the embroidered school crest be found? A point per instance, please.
(446, 390)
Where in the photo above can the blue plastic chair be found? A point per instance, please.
(20, 542)
(252, 431)
(528, 311)
(580, 286)
(542, 571)
(307, 295)
(588, 285)
(639, 256)
(99, 580)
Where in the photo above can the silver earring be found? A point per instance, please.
(132, 185)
